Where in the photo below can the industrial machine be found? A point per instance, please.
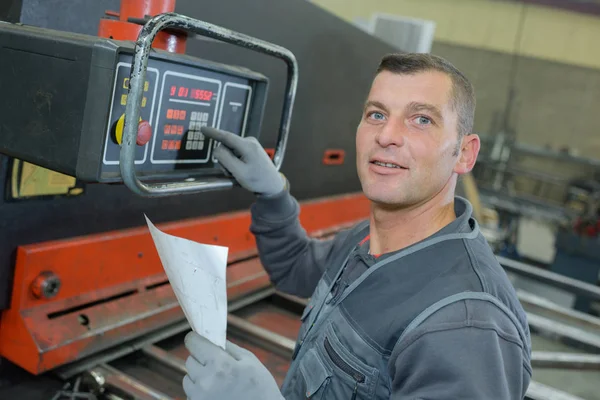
(91, 131)
(99, 125)
(100, 128)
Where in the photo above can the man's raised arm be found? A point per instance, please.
(294, 261)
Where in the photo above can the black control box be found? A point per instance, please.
(63, 99)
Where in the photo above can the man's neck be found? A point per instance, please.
(395, 229)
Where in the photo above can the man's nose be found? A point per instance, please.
(392, 134)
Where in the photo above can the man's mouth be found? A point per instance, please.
(387, 164)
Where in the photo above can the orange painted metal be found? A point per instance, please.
(113, 287)
(270, 152)
(334, 157)
(123, 29)
(141, 8)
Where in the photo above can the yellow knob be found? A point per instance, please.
(119, 129)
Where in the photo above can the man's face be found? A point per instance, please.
(407, 138)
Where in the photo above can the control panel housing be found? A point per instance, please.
(69, 115)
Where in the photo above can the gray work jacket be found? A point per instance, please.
(436, 320)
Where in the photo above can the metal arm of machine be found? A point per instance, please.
(137, 78)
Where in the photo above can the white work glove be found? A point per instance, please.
(247, 161)
(213, 373)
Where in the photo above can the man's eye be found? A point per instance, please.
(376, 115)
(423, 120)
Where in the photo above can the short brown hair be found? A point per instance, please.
(463, 93)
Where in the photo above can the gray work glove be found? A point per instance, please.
(213, 373)
(247, 161)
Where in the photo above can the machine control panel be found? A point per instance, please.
(178, 101)
(75, 107)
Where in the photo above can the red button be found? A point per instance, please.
(144, 133)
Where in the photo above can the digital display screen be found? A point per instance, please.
(187, 103)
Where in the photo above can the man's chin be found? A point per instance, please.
(386, 200)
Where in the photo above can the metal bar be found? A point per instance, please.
(137, 78)
(540, 176)
(549, 359)
(563, 330)
(520, 205)
(532, 301)
(528, 149)
(293, 299)
(539, 391)
(551, 278)
(165, 358)
(250, 299)
(68, 371)
(524, 148)
(106, 377)
(251, 330)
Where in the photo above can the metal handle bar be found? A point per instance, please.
(138, 76)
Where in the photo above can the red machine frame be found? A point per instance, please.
(113, 286)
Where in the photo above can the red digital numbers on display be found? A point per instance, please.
(180, 91)
(198, 94)
(195, 94)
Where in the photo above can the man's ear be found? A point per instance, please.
(469, 149)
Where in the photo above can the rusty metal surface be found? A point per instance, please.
(276, 319)
(107, 377)
(166, 333)
(151, 373)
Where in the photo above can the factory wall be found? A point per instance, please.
(549, 33)
(555, 60)
(556, 104)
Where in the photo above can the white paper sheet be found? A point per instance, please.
(196, 272)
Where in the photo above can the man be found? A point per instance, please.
(411, 304)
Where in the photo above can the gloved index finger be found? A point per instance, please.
(229, 139)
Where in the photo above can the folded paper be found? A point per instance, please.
(196, 273)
